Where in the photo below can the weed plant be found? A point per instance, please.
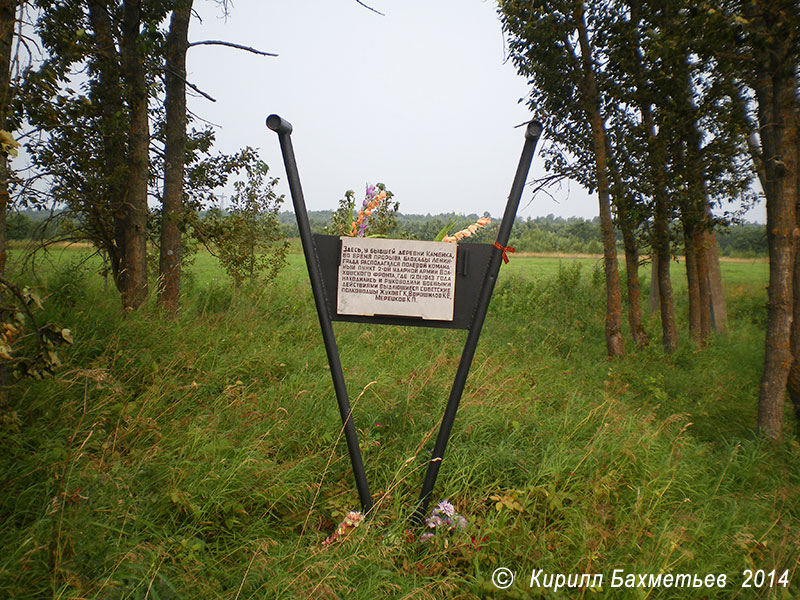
(201, 457)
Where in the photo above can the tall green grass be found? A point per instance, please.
(201, 457)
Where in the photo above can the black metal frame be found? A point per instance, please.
(477, 267)
(472, 262)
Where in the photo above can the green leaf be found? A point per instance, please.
(31, 297)
(446, 229)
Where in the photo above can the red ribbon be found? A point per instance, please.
(504, 249)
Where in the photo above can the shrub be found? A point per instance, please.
(249, 240)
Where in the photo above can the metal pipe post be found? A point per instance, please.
(284, 130)
(532, 134)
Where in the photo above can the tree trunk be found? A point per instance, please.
(693, 217)
(775, 93)
(695, 230)
(113, 124)
(169, 265)
(704, 283)
(692, 281)
(8, 18)
(661, 235)
(793, 383)
(661, 244)
(626, 209)
(133, 267)
(632, 272)
(661, 209)
(615, 344)
(718, 308)
(696, 214)
(654, 298)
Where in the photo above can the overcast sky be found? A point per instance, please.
(420, 99)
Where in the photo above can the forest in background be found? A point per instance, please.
(547, 234)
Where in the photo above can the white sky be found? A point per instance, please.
(420, 99)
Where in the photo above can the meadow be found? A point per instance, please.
(201, 457)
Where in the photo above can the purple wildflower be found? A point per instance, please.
(443, 519)
(446, 508)
(434, 521)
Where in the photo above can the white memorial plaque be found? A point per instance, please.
(405, 278)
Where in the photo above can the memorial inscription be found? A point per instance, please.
(396, 277)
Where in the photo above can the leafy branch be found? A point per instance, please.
(45, 359)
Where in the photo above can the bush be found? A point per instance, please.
(249, 240)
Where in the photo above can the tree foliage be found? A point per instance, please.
(248, 240)
(115, 70)
(554, 44)
(697, 97)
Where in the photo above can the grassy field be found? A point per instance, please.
(201, 458)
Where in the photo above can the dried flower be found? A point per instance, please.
(352, 520)
(467, 231)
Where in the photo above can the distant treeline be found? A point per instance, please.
(572, 235)
(36, 225)
(541, 234)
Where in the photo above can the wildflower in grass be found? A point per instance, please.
(467, 231)
(446, 508)
(352, 520)
(443, 521)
